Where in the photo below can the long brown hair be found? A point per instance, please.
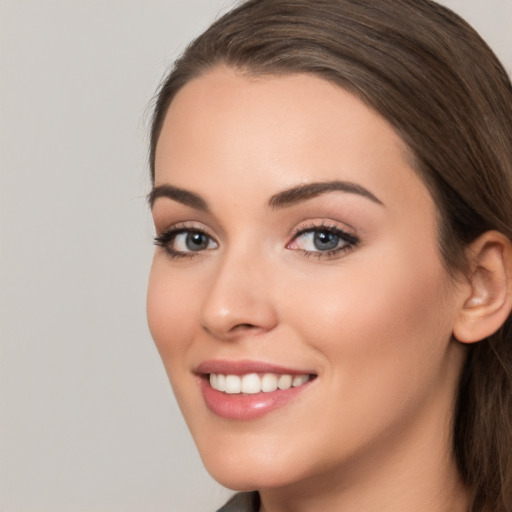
(436, 81)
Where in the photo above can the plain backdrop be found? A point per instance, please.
(88, 421)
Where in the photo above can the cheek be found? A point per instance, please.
(384, 321)
(382, 335)
(169, 311)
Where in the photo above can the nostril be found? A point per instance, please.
(244, 327)
(234, 329)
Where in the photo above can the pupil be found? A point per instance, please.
(325, 241)
(196, 241)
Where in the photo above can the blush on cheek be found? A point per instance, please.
(165, 315)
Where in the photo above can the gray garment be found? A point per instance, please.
(242, 502)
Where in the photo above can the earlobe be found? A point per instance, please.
(488, 300)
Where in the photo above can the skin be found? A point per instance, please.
(374, 322)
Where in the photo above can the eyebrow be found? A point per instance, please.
(282, 199)
(177, 194)
(307, 191)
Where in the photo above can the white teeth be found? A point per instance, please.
(218, 381)
(233, 384)
(284, 382)
(268, 382)
(253, 383)
(298, 380)
(221, 382)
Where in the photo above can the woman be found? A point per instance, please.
(331, 291)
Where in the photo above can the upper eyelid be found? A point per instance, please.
(184, 226)
(166, 221)
(326, 224)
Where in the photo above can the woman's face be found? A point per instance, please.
(298, 247)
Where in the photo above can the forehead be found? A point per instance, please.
(275, 131)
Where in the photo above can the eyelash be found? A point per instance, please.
(351, 241)
(165, 240)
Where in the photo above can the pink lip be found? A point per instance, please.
(244, 366)
(240, 406)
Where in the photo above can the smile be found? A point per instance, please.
(253, 383)
(246, 390)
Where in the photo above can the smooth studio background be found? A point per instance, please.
(88, 421)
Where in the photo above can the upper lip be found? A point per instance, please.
(242, 367)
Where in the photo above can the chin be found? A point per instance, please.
(249, 479)
(249, 468)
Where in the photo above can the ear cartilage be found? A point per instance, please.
(476, 301)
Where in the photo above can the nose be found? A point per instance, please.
(239, 300)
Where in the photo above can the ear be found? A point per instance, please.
(487, 296)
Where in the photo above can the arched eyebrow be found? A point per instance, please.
(178, 194)
(307, 191)
(282, 199)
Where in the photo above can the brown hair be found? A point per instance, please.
(436, 81)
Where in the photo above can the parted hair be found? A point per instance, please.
(440, 86)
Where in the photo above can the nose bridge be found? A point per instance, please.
(239, 298)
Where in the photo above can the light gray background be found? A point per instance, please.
(88, 422)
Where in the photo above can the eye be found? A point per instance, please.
(192, 241)
(185, 242)
(323, 241)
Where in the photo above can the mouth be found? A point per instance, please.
(254, 383)
(247, 390)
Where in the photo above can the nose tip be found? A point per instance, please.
(236, 305)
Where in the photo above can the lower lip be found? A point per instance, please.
(245, 406)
